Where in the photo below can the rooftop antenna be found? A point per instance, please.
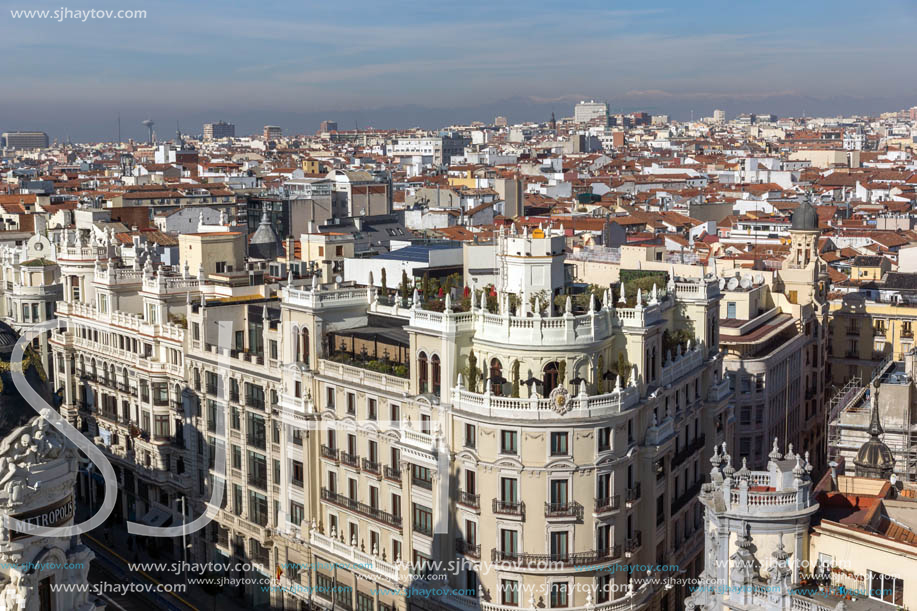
(119, 128)
(149, 125)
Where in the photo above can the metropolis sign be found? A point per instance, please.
(57, 514)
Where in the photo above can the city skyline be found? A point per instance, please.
(430, 66)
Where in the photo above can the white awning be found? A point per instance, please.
(155, 517)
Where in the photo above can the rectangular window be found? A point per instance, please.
(257, 434)
(508, 442)
(351, 403)
(559, 444)
(364, 602)
(421, 476)
(559, 595)
(509, 540)
(559, 492)
(886, 588)
(423, 520)
(297, 513)
(559, 542)
(508, 490)
(371, 409)
(509, 592)
(469, 435)
(604, 438)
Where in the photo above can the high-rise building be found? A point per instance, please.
(328, 126)
(218, 130)
(500, 121)
(586, 112)
(719, 116)
(25, 140)
(775, 347)
(272, 132)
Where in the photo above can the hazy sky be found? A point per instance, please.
(392, 64)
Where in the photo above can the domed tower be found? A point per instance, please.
(875, 459)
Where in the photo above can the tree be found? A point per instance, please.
(600, 380)
(562, 372)
(624, 368)
(384, 283)
(472, 372)
(425, 286)
(404, 284)
(516, 379)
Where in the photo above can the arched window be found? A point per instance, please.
(550, 377)
(304, 340)
(434, 366)
(496, 377)
(422, 381)
(296, 345)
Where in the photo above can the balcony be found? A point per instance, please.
(421, 483)
(509, 508)
(634, 543)
(260, 555)
(540, 561)
(372, 467)
(468, 499)
(257, 480)
(570, 509)
(330, 453)
(687, 451)
(686, 497)
(351, 460)
(633, 494)
(467, 549)
(608, 504)
(362, 508)
(853, 331)
(255, 402)
(391, 473)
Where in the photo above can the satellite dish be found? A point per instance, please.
(338, 279)
(759, 278)
(722, 283)
(733, 284)
(745, 282)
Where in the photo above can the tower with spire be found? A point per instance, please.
(874, 459)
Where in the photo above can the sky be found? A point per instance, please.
(428, 63)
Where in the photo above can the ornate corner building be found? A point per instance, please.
(496, 451)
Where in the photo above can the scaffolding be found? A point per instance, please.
(848, 425)
(851, 392)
